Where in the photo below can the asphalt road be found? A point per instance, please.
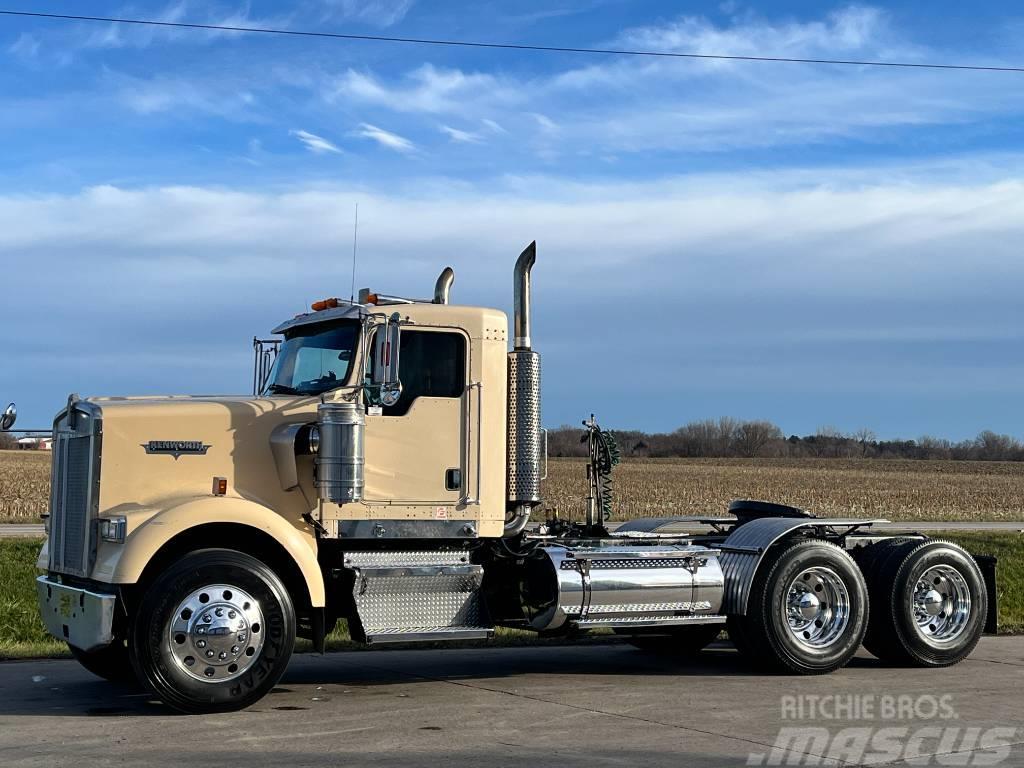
(595, 705)
(17, 530)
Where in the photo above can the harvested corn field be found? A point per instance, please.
(893, 489)
(24, 485)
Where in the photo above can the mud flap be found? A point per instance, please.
(987, 564)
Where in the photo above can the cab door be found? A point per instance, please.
(414, 448)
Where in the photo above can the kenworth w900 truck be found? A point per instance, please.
(386, 472)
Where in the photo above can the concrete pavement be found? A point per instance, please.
(566, 706)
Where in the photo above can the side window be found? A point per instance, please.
(431, 364)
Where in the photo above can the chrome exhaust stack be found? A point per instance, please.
(521, 318)
(524, 425)
(443, 286)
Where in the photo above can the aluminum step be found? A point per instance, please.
(643, 622)
(429, 635)
(425, 596)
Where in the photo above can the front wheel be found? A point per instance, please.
(214, 633)
(807, 610)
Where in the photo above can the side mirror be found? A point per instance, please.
(8, 418)
(387, 344)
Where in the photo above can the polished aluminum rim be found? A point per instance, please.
(217, 633)
(817, 607)
(941, 604)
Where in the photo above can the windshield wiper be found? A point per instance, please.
(281, 389)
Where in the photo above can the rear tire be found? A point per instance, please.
(929, 604)
(807, 610)
(214, 633)
(111, 663)
(678, 641)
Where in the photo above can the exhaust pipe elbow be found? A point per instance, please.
(443, 286)
(521, 322)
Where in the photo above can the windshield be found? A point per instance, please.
(314, 359)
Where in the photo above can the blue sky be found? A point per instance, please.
(809, 244)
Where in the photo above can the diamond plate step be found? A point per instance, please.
(418, 596)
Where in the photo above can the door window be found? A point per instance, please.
(430, 364)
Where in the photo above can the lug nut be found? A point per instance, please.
(231, 614)
(222, 656)
(200, 644)
(234, 649)
(200, 630)
(209, 654)
(219, 611)
(241, 637)
(207, 618)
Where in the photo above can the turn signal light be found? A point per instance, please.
(220, 486)
(320, 306)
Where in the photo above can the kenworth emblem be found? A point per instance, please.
(176, 448)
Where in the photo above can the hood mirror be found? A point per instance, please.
(387, 344)
(8, 418)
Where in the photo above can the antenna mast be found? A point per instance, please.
(355, 244)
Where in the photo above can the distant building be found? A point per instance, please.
(35, 444)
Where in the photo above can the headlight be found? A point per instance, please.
(113, 529)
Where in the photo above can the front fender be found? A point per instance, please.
(144, 541)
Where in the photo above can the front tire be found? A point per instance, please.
(214, 633)
(929, 604)
(807, 610)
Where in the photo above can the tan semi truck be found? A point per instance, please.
(386, 472)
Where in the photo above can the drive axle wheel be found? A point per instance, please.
(807, 610)
(214, 633)
(929, 604)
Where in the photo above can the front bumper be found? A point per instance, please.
(85, 619)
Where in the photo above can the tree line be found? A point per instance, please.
(735, 438)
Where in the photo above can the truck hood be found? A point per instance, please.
(156, 449)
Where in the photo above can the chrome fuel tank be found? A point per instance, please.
(623, 586)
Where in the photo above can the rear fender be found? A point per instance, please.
(744, 550)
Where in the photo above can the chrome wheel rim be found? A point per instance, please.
(941, 602)
(216, 633)
(817, 607)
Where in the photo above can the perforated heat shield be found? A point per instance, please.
(524, 430)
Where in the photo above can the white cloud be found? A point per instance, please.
(385, 138)
(180, 11)
(26, 46)
(161, 95)
(427, 89)
(460, 136)
(776, 281)
(617, 105)
(316, 144)
(854, 28)
(376, 13)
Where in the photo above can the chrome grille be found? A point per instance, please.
(74, 489)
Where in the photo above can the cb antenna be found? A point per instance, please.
(355, 245)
